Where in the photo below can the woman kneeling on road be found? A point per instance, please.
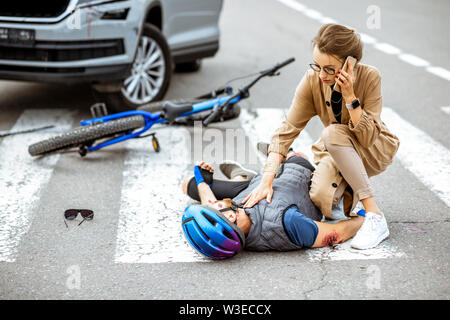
(355, 143)
(291, 221)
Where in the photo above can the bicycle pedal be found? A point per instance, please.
(99, 110)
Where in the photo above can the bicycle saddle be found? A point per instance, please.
(173, 110)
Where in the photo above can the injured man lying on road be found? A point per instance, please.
(220, 227)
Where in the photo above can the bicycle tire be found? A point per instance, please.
(85, 134)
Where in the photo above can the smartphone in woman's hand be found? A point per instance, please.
(348, 60)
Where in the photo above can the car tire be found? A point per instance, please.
(149, 76)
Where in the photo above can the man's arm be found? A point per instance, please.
(206, 194)
(330, 234)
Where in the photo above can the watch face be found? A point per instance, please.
(355, 103)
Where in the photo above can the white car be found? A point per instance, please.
(125, 48)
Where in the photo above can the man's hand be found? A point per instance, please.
(205, 166)
(203, 172)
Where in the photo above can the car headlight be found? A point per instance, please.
(85, 3)
(119, 14)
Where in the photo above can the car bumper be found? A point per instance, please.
(83, 46)
(66, 75)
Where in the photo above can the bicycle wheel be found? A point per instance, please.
(86, 135)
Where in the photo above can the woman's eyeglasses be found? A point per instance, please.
(327, 70)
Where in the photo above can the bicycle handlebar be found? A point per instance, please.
(278, 66)
(268, 72)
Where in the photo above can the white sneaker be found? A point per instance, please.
(372, 232)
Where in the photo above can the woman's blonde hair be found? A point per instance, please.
(338, 41)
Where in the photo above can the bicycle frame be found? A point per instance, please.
(152, 119)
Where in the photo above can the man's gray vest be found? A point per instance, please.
(290, 186)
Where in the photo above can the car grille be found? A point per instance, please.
(63, 51)
(33, 9)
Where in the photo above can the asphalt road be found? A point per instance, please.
(99, 260)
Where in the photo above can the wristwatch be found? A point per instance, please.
(355, 104)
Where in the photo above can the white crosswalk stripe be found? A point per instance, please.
(152, 202)
(22, 178)
(344, 252)
(426, 158)
(446, 109)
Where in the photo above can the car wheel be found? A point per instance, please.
(149, 76)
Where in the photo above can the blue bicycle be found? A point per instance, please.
(104, 130)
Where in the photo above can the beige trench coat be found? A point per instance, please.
(370, 137)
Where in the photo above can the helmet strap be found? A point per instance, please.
(234, 207)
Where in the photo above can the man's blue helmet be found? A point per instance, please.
(209, 232)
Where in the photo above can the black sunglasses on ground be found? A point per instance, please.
(71, 214)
